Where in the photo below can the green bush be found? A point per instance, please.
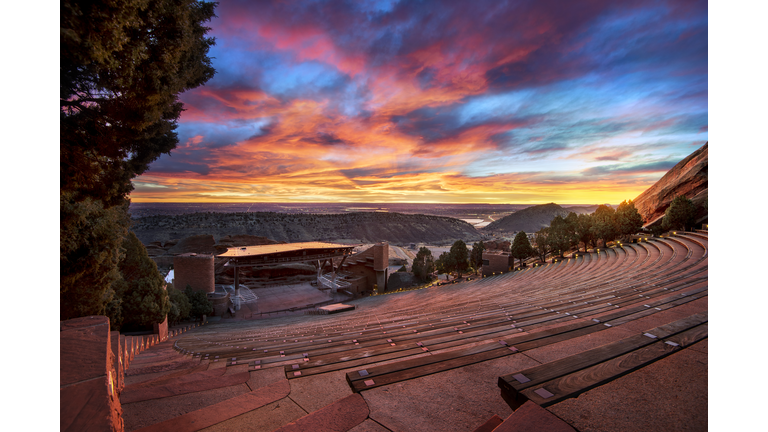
(180, 306)
(198, 300)
(140, 287)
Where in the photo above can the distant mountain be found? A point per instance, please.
(688, 178)
(361, 227)
(529, 220)
(589, 209)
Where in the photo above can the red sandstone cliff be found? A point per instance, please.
(688, 178)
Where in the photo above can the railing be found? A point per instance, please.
(325, 282)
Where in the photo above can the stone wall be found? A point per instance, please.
(219, 303)
(88, 382)
(381, 256)
(497, 263)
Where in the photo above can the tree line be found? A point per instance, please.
(604, 225)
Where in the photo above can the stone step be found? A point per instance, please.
(222, 411)
(340, 416)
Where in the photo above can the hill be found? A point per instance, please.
(529, 220)
(688, 178)
(361, 227)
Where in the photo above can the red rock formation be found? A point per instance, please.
(687, 178)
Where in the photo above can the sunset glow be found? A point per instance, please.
(462, 102)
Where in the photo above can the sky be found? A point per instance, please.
(440, 101)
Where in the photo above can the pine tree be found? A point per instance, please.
(180, 306)
(584, 230)
(541, 243)
(521, 247)
(559, 236)
(604, 224)
(628, 219)
(423, 264)
(199, 303)
(680, 214)
(141, 287)
(476, 256)
(459, 257)
(122, 66)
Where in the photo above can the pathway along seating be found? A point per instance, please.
(615, 296)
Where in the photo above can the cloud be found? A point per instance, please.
(439, 101)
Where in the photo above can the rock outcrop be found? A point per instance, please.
(687, 178)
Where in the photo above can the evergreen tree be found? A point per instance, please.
(584, 231)
(604, 224)
(571, 227)
(476, 256)
(423, 265)
(140, 287)
(628, 218)
(521, 247)
(90, 244)
(680, 214)
(122, 66)
(559, 236)
(459, 257)
(180, 306)
(199, 303)
(541, 243)
(444, 263)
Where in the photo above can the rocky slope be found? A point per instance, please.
(395, 228)
(688, 178)
(529, 220)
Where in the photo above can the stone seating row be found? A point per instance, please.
(342, 349)
(499, 344)
(350, 331)
(552, 382)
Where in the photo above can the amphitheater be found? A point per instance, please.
(608, 341)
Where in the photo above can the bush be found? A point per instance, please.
(140, 287)
(680, 214)
(198, 300)
(180, 306)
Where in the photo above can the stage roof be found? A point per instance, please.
(251, 251)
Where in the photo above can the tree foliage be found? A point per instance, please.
(444, 264)
(521, 247)
(628, 219)
(680, 214)
(584, 231)
(560, 235)
(572, 227)
(90, 245)
(180, 306)
(541, 243)
(199, 303)
(459, 257)
(604, 224)
(140, 287)
(122, 66)
(423, 264)
(476, 256)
